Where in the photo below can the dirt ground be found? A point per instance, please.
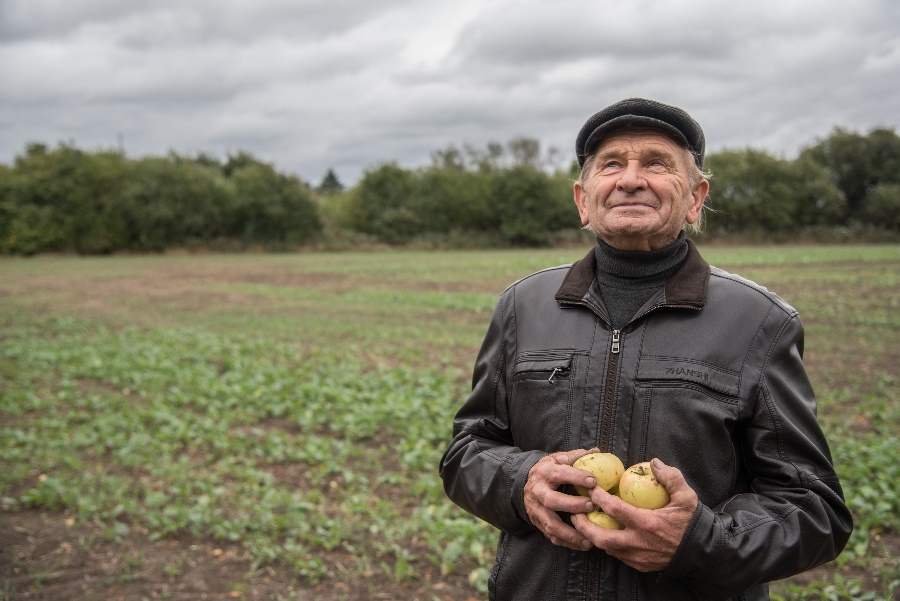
(45, 556)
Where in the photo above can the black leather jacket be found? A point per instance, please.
(708, 377)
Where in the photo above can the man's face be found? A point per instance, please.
(637, 194)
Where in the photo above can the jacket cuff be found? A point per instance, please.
(526, 462)
(699, 551)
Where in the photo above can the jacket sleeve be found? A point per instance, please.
(482, 469)
(795, 517)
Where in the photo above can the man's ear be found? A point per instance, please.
(581, 201)
(698, 197)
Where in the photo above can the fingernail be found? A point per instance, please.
(657, 463)
(589, 506)
(585, 544)
(590, 482)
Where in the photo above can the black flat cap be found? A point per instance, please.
(639, 112)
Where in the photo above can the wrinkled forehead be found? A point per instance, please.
(641, 140)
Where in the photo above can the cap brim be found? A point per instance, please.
(607, 128)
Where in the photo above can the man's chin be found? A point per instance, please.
(634, 234)
(636, 224)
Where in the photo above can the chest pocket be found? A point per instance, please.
(540, 404)
(686, 413)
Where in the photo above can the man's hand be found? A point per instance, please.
(543, 499)
(650, 537)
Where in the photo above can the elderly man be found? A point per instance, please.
(643, 350)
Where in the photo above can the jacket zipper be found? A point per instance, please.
(609, 388)
(594, 562)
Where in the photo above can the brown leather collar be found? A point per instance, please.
(687, 287)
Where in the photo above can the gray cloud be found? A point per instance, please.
(348, 84)
(165, 22)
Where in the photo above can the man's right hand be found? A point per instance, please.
(543, 499)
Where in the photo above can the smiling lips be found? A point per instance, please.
(632, 203)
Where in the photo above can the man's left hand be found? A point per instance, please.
(650, 537)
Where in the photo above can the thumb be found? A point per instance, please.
(671, 478)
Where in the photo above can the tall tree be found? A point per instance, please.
(859, 164)
(526, 152)
(330, 183)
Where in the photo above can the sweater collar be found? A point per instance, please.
(635, 267)
(687, 287)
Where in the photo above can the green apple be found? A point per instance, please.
(639, 487)
(606, 468)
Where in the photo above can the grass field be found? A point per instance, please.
(268, 426)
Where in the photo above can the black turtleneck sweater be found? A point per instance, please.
(629, 278)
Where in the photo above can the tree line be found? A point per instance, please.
(64, 199)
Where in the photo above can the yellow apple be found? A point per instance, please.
(606, 468)
(604, 520)
(639, 487)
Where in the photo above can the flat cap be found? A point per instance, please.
(639, 112)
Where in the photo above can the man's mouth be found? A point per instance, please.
(626, 205)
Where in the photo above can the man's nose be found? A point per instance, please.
(631, 178)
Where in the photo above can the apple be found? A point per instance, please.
(604, 520)
(605, 467)
(639, 487)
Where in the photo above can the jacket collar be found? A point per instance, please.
(687, 288)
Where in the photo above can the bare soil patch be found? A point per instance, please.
(46, 556)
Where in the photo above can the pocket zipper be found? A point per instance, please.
(555, 371)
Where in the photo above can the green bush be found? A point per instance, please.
(753, 191)
(859, 164)
(271, 207)
(519, 205)
(532, 205)
(68, 200)
(882, 206)
(172, 201)
(380, 205)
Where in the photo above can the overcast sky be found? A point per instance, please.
(349, 84)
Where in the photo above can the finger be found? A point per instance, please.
(556, 474)
(602, 538)
(559, 533)
(542, 490)
(569, 457)
(571, 539)
(560, 501)
(618, 509)
(625, 545)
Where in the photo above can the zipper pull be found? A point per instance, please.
(615, 342)
(556, 370)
